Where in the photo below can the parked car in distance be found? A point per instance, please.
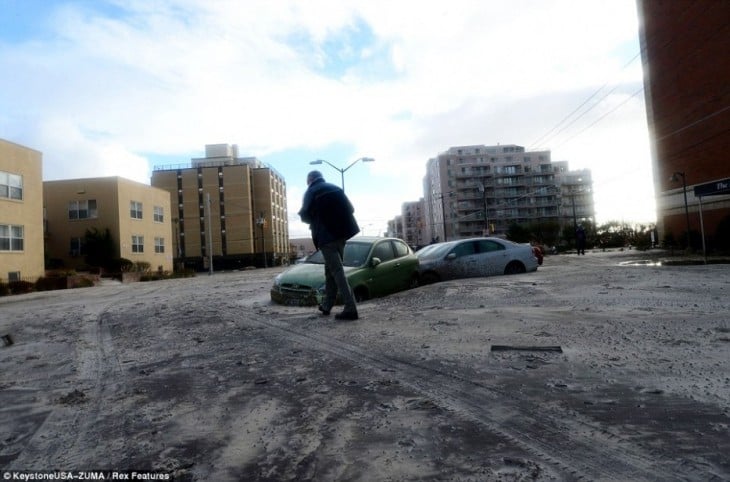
(374, 267)
(475, 257)
(538, 252)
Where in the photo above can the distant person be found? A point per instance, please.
(330, 217)
(580, 240)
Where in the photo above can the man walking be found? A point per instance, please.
(330, 217)
(580, 240)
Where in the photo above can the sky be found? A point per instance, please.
(117, 87)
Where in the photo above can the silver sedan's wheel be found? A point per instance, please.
(429, 278)
(514, 267)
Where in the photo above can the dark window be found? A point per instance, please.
(383, 251)
(401, 249)
(486, 246)
(464, 249)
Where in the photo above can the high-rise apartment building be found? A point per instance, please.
(684, 48)
(507, 183)
(413, 229)
(21, 213)
(395, 227)
(230, 208)
(136, 215)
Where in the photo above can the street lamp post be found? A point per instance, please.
(261, 222)
(483, 189)
(209, 248)
(684, 192)
(440, 197)
(342, 171)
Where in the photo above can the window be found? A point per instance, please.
(383, 251)
(76, 247)
(486, 246)
(11, 185)
(464, 249)
(135, 209)
(159, 245)
(138, 244)
(158, 214)
(14, 276)
(401, 249)
(11, 237)
(82, 209)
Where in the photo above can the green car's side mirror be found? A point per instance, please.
(374, 262)
(451, 256)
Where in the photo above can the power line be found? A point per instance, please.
(601, 118)
(604, 96)
(581, 106)
(698, 121)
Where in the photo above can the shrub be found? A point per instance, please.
(185, 273)
(121, 265)
(4, 289)
(83, 283)
(60, 273)
(142, 266)
(20, 287)
(48, 283)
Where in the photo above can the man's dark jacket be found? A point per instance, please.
(328, 212)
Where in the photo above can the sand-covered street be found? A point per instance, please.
(596, 367)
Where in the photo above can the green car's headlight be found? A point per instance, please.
(277, 280)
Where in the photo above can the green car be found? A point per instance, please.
(374, 267)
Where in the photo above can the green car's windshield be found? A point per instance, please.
(356, 254)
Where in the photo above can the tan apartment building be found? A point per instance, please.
(138, 217)
(21, 213)
(508, 184)
(229, 208)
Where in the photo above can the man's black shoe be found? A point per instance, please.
(324, 312)
(346, 315)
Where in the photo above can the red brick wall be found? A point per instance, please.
(687, 80)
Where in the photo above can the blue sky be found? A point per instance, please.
(114, 87)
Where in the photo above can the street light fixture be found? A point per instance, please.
(674, 178)
(342, 171)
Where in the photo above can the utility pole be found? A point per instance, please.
(210, 235)
(261, 221)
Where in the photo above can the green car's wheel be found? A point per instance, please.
(361, 294)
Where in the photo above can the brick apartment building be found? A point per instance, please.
(685, 47)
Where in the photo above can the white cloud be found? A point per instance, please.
(168, 77)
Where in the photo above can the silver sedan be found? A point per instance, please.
(472, 258)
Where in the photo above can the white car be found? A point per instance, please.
(472, 258)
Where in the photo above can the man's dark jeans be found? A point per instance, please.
(335, 279)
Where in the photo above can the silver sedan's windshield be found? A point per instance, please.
(434, 250)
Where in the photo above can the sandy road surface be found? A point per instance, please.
(205, 379)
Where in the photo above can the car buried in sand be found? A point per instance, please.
(472, 258)
(374, 267)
